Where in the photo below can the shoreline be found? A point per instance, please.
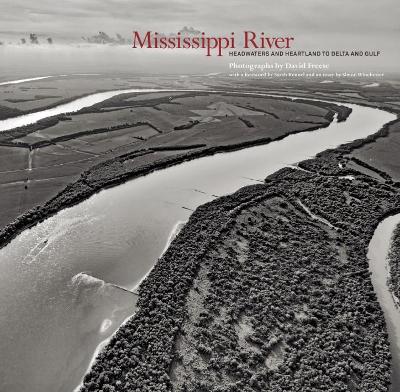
(134, 290)
(393, 266)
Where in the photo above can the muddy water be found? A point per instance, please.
(377, 253)
(52, 317)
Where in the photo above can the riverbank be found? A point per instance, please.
(394, 266)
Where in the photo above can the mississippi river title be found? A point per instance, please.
(210, 44)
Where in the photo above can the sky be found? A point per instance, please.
(315, 24)
(83, 17)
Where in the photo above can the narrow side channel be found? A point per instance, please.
(377, 254)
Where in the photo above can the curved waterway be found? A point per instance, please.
(56, 307)
(18, 81)
(378, 262)
(69, 107)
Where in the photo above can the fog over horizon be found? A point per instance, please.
(316, 25)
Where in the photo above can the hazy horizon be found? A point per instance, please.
(338, 25)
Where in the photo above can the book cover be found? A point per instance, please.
(199, 196)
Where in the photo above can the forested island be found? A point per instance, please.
(266, 289)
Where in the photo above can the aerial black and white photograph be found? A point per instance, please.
(199, 196)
